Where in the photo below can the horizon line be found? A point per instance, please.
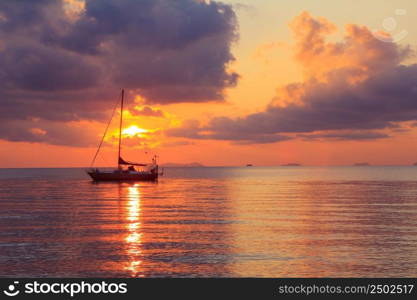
(224, 166)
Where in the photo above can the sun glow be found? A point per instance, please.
(133, 131)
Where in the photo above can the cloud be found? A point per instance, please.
(341, 136)
(163, 49)
(48, 132)
(191, 129)
(178, 143)
(32, 67)
(359, 55)
(66, 60)
(147, 111)
(356, 84)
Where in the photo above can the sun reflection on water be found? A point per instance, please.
(134, 226)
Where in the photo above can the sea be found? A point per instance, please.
(358, 221)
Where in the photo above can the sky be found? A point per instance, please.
(227, 82)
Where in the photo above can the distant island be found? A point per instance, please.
(249, 165)
(179, 165)
(362, 164)
(291, 165)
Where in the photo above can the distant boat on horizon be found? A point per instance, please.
(249, 165)
(291, 165)
(362, 164)
(185, 165)
(133, 171)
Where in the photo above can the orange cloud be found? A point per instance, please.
(359, 53)
(354, 89)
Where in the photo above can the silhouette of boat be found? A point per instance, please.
(126, 170)
(362, 164)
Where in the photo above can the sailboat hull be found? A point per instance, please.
(123, 176)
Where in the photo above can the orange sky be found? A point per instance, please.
(216, 153)
(269, 55)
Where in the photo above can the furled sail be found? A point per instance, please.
(125, 162)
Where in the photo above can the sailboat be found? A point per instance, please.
(126, 170)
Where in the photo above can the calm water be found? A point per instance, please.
(211, 222)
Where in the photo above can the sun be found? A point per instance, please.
(133, 131)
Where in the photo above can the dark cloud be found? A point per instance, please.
(56, 133)
(60, 66)
(191, 129)
(70, 105)
(377, 103)
(374, 104)
(169, 51)
(340, 136)
(33, 67)
(151, 24)
(26, 16)
(147, 111)
(178, 143)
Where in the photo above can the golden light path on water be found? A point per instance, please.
(134, 236)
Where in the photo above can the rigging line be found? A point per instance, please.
(105, 132)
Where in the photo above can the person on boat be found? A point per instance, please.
(131, 168)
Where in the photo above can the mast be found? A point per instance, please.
(120, 128)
